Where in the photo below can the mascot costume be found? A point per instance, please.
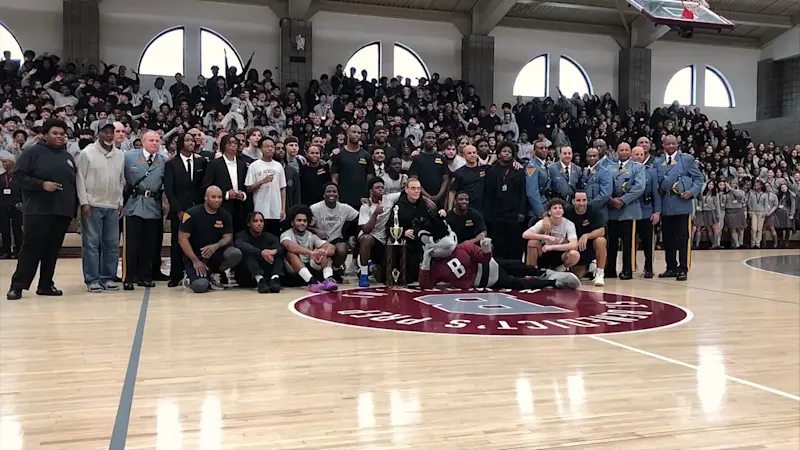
(467, 265)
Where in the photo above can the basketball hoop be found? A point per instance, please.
(690, 6)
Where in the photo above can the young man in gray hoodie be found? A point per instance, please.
(100, 181)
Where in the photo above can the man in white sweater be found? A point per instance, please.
(100, 181)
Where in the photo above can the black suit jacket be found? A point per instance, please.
(217, 175)
(183, 192)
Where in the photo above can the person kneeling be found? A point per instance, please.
(262, 257)
(556, 246)
(306, 254)
(207, 230)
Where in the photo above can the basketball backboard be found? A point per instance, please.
(671, 12)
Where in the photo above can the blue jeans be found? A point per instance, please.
(100, 242)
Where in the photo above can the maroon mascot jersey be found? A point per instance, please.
(458, 270)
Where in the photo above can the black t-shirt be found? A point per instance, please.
(205, 228)
(353, 169)
(468, 226)
(472, 180)
(429, 168)
(586, 222)
(312, 180)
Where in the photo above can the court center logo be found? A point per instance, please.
(478, 311)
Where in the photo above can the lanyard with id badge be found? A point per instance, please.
(7, 184)
(504, 186)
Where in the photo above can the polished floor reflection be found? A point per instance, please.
(785, 264)
(237, 370)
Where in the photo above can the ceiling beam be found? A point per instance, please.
(607, 6)
(644, 32)
(565, 27)
(298, 9)
(714, 39)
(486, 14)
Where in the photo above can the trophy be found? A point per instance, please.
(395, 230)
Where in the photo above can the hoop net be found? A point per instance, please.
(690, 6)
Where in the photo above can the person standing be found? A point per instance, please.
(564, 176)
(470, 178)
(183, 185)
(504, 204)
(596, 181)
(313, 176)
(351, 167)
(10, 209)
(679, 181)
(47, 175)
(733, 201)
(144, 177)
(629, 178)
(644, 143)
(650, 203)
(101, 177)
(430, 169)
(228, 172)
(266, 182)
(537, 182)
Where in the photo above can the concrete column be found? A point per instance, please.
(477, 65)
(789, 86)
(767, 93)
(554, 75)
(634, 77)
(81, 31)
(296, 59)
(386, 64)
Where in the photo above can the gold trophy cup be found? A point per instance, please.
(395, 230)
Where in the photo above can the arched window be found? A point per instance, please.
(163, 55)
(718, 90)
(681, 87)
(532, 79)
(409, 65)
(366, 58)
(213, 50)
(10, 43)
(572, 78)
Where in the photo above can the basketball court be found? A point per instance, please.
(647, 364)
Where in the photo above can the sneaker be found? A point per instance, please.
(109, 286)
(275, 285)
(215, 282)
(186, 282)
(564, 280)
(363, 280)
(330, 284)
(95, 288)
(599, 279)
(263, 286)
(316, 286)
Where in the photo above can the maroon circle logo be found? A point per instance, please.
(549, 312)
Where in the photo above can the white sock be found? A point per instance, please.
(363, 268)
(259, 278)
(305, 274)
(327, 272)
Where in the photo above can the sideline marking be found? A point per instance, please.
(695, 368)
(120, 433)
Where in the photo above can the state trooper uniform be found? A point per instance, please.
(628, 179)
(676, 174)
(650, 202)
(144, 177)
(564, 180)
(596, 181)
(537, 186)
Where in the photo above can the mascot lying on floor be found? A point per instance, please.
(467, 265)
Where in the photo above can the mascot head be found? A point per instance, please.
(438, 239)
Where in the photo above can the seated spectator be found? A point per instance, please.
(330, 220)
(10, 210)
(374, 219)
(307, 256)
(556, 245)
(466, 222)
(590, 229)
(205, 236)
(262, 257)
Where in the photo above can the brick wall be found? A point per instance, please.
(635, 66)
(81, 31)
(778, 88)
(296, 64)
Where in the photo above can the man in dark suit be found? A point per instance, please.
(183, 184)
(228, 172)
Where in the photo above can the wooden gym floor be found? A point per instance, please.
(238, 370)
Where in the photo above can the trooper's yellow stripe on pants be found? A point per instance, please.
(124, 246)
(689, 246)
(633, 245)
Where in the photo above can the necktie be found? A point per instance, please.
(669, 160)
(150, 160)
(620, 165)
(189, 168)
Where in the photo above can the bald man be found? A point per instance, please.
(143, 211)
(644, 143)
(628, 183)
(205, 236)
(470, 178)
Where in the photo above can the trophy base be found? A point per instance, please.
(396, 264)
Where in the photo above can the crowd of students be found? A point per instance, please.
(339, 157)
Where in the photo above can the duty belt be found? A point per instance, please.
(146, 193)
(647, 198)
